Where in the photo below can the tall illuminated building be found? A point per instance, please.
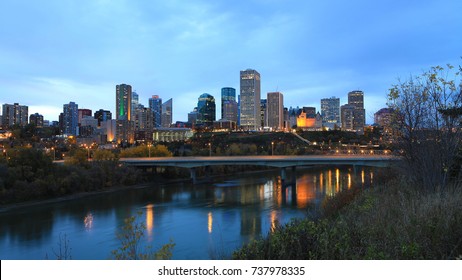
(14, 114)
(263, 120)
(125, 126)
(250, 99)
(135, 102)
(36, 119)
(207, 109)
(330, 112)
(228, 104)
(275, 110)
(167, 113)
(70, 118)
(356, 99)
(155, 104)
(347, 116)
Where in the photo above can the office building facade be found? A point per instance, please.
(228, 94)
(125, 125)
(207, 109)
(330, 112)
(250, 117)
(356, 99)
(275, 111)
(167, 113)
(155, 104)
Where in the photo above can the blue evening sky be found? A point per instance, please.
(54, 52)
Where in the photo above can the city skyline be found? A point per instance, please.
(53, 53)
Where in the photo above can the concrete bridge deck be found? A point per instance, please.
(281, 162)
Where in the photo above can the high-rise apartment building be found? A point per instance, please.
(275, 110)
(155, 104)
(14, 114)
(330, 112)
(207, 109)
(384, 117)
(167, 113)
(356, 99)
(250, 99)
(36, 119)
(125, 126)
(70, 118)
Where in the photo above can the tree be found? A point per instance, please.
(78, 157)
(143, 151)
(104, 155)
(130, 237)
(427, 124)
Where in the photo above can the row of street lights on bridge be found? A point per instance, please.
(210, 149)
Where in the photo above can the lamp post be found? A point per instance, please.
(54, 153)
(149, 148)
(88, 152)
(272, 148)
(210, 149)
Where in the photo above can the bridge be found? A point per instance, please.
(281, 162)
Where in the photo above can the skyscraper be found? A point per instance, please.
(207, 108)
(250, 99)
(356, 99)
(70, 118)
(227, 94)
(155, 104)
(135, 102)
(275, 110)
(167, 113)
(14, 114)
(125, 127)
(123, 102)
(330, 112)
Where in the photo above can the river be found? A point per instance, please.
(205, 221)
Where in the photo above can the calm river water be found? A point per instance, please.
(206, 221)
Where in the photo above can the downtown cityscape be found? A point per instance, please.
(210, 130)
(247, 111)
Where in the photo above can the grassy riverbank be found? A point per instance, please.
(391, 221)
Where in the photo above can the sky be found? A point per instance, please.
(55, 52)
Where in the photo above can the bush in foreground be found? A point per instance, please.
(394, 221)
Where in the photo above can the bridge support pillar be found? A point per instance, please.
(355, 170)
(192, 171)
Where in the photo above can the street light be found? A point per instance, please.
(210, 149)
(149, 148)
(88, 151)
(54, 153)
(272, 148)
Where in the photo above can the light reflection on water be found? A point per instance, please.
(205, 221)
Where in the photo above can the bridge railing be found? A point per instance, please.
(360, 152)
